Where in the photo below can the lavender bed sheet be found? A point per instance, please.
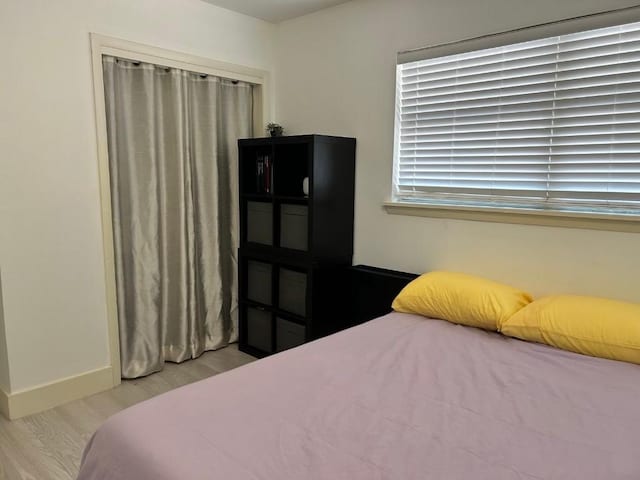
(400, 397)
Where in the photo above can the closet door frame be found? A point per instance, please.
(104, 45)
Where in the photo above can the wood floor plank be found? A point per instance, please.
(27, 456)
(49, 445)
(59, 440)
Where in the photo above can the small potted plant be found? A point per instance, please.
(275, 129)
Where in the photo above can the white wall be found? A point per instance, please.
(5, 382)
(336, 73)
(50, 234)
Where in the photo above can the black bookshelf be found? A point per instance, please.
(295, 247)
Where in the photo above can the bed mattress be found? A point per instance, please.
(400, 397)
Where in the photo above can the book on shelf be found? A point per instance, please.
(264, 174)
(259, 174)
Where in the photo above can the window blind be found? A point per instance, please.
(549, 122)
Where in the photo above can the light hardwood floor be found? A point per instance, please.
(48, 445)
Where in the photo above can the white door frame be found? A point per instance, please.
(103, 45)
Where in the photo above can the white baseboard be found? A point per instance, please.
(4, 403)
(43, 397)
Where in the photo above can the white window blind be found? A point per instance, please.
(553, 122)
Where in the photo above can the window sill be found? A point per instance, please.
(590, 221)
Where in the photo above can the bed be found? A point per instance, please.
(399, 397)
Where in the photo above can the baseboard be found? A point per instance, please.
(4, 403)
(43, 397)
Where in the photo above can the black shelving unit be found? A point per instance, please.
(295, 248)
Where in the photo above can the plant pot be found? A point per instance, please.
(275, 131)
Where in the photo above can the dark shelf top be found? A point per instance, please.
(292, 139)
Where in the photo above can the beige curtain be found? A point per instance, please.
(172, 139)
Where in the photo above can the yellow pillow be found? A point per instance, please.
(461, 298)
(592, 326)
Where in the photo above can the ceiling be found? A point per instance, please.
(275, 10)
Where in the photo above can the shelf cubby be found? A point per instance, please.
(256, 168)
(259, 325)
(291, 168)
(292, 291)
(259, 218)
(294, 226)
(259, 282)
(289, 334)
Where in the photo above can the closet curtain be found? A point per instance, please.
(172, 138)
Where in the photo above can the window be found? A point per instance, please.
(548, 123)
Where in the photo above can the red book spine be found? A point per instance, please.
(267, 174)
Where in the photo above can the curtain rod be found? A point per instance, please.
(520, 29)
(137, 63)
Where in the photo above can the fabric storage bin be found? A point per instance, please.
(260, 222)
(259, 282)
(292, 292)
(294, 226)
(259, 329)
(288, 334)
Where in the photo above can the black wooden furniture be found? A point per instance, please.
(296, 238)
(372, 291)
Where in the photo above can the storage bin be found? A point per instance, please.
(292, 291)
(260, 222)
(294, 226)
(259, 329)
(288, 334)
(259, 282)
